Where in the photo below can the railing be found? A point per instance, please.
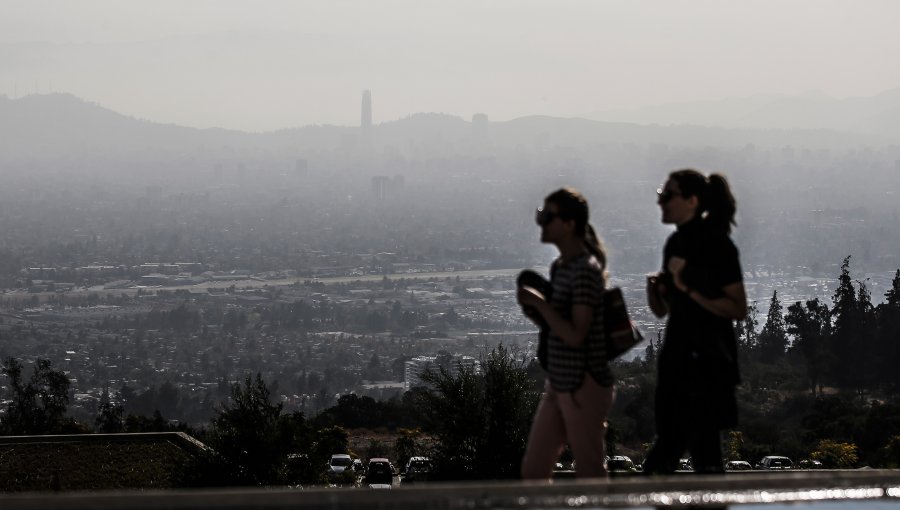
(680, 491)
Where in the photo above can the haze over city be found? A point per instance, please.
(285, 64)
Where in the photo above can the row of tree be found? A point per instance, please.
(852, 345)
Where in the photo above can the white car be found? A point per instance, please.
(339, 463)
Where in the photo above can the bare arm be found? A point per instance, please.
(733, 305)
(571, 332)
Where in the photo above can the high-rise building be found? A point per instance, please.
(301, 167)
(366, 119)
(366, 122)
(415, 367)
(380, 185)
(384, 187)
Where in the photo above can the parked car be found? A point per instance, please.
(339, 464)
(620, 464)
(775, 462)
(417, 469)
(810, 464)
(380, 471)
(738, 465)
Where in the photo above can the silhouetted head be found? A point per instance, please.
(688, 194)
(570, 205)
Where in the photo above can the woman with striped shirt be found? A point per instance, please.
(578, 391)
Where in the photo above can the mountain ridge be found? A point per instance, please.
(877, 114)
(62, 125)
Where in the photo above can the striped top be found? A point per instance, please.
(578, 282)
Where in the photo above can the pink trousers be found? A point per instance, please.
(575, 418)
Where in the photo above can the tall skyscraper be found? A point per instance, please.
(366, 122)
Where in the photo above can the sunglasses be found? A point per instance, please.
(543, 217)
(664, 195)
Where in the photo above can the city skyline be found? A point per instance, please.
(230, 65)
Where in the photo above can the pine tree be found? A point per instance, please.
(892, 296)
(245, 433)
(867, 351)
(748, 338)
(773, 339)
(844, 300)
(888, 336)
(810, 328)
(843, 338)
(853, 341)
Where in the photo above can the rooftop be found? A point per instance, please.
(93, 462)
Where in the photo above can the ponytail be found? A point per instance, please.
(719, 204)
(573, 206)
(716, 203)
(595, 246)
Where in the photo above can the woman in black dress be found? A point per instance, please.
(701, 289)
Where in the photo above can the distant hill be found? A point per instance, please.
(877, 115)
(61, 125)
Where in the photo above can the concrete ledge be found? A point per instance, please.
(671, 491)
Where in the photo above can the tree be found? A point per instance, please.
(866, 353)
(890, 452)
(452, 417)
(247, 435)
(843, 299)
(810, 327)
(509, 407)
(843, 312)
(39, 405)
(734, 445)
(480, 421)
(892, 296)
(836, 455)
(853, 338)
(652, 349)
(773, 338)
(748, 337)
(111, 418)
(888, 335)
(376, 448)
(408, 445)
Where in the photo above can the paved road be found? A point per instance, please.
(252, 283)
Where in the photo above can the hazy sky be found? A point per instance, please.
(266, 65)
